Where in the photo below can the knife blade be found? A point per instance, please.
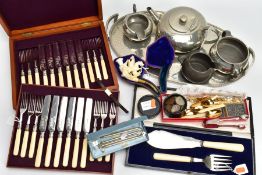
(78, 128)
(72, 59)
(65, 57)
(42, 129)
(42, 62)
(50, 64)
(86, 129)
(166, 140)
(60, 129)
(69, 126)
(51, 128)
(58, 63)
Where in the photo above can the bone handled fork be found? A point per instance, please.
(30, 113)
(23, 109)
(216, 163)
(112, 116)
(38, 111)
(96, 115)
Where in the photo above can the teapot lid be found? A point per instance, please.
(185, 19)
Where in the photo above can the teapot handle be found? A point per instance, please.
(252, 59)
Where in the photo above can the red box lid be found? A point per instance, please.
(23, 14)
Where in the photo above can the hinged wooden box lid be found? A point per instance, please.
(21, 16)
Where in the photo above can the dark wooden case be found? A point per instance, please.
(29, 23)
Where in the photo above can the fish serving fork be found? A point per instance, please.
(23, 109)
(39, 101)
(216, 163)
(30, 113)
(103, 112)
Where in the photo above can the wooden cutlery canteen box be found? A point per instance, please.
(57, 43)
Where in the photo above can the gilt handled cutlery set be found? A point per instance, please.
(55, 125)
(78, 64)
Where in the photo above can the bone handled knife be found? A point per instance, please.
(58, 63)
(78, 128)
(42, 129)
(103, 65)
(65, 58)
(86, 129)
(81, 61)
(72, 59)
(50, 64)
(60, 129)
(51, 128)
(90, 68)
(97, 69)
(42, 62)
(69, 127)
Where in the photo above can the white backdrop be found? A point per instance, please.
(242, 17)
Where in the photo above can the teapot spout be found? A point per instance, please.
(153, 14)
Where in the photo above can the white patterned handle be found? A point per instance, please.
(66, 152)
(171, 157)
(86, 83)
(39, 152)
(24, 144)
(98, 73)
(69, 78)
(30, 79)
(104, 70)
(61, 79)
(77, 79)
(37, 78)
(84, 153)
(17, 142)
(53, 82)
(91, 72)
(45, 80)
(57, 152)
(234, 147)
(75, 153)
(48, 151)
(32, 144)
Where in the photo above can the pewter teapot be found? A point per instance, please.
(184, 26)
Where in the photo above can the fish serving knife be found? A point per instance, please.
(42, 62)
(51, 128)
(166, 140)
(72, 59)
(42, 129)
(86, 129)
(69, 126)
(50, 64)
(65, 57)
(58, 63)
(78, 128)
(81, 61)
(60, 129)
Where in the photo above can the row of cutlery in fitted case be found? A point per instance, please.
(51, 128)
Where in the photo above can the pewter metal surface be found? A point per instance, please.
(123, 46)
(79, 114)
(88, 115)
